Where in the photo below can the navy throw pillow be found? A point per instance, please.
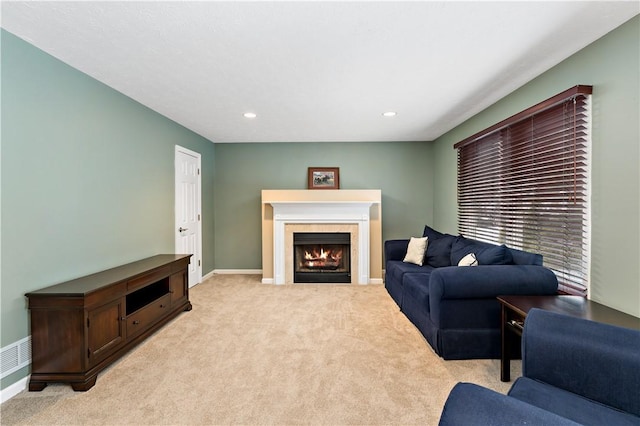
(431, 233)
(499, 255)
(486, 253)
(439, 251)
(460, 248)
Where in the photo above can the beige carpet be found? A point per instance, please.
(250, 353)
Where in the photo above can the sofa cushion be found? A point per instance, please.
(431, 233)
(439, 251)
(568, 404)
(499, 255)
(460, 248)
(525, 258)
(486, 253)
(395, 269)
(416, 287)
(416, 250)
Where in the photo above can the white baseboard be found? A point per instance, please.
(371, 281)
(237, 271)
(207, 276)
(14, 389)
(265, 280)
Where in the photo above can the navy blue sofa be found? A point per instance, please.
(574, 371)
(454, 307)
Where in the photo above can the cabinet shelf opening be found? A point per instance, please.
(141, 298)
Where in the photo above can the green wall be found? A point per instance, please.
(612, 66)
(87, 176)
(402, 170)
(87, 180)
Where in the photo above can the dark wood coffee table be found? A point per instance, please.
(516, 308)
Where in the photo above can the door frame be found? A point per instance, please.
(197, 258)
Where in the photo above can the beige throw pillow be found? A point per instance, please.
(468, 260)
(416, 250)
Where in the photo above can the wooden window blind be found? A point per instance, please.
(524, 182)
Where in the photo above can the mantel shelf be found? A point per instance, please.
(369, 202)
(280, 196)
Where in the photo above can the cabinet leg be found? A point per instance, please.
(505, 343)
(84, 386)
(35, 386)
(188, 307)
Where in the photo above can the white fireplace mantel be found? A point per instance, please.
(357, 211)
(314, 212)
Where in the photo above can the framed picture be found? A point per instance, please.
(324, 178)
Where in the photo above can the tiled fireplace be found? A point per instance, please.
(315, 215)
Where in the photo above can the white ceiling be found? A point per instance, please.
(314, 71)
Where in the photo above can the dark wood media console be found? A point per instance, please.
(80, 327)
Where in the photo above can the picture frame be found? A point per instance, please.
(323, 178)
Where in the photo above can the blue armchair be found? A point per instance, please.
(575, 371)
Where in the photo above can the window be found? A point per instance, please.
(524, 182)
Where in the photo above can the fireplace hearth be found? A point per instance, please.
(322, 257)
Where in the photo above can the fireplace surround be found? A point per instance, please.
(356, 212)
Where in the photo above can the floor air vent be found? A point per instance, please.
(15, 356)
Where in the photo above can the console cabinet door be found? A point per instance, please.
(105, 330)
(178, 287)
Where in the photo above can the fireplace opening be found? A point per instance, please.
(321, 257)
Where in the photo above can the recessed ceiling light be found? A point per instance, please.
(389, 114)
(249, 115)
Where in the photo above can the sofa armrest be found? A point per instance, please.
(490, 281)
(470, 404)
(395, 249)
(598, 361)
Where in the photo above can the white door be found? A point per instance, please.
(188, 228)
